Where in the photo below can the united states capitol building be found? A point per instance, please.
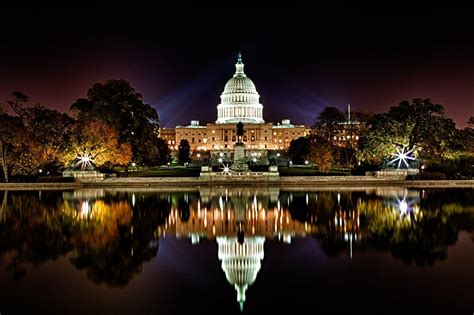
(240, 102)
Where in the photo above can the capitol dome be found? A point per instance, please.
(240, 100)
(240, 262)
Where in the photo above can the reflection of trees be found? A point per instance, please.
(422, 236)
(32, 230)
(107, 237)
(115, 241)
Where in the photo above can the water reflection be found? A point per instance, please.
(111, 233)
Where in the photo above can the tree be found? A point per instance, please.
(164, 152)
(16, 152)
(100, 142)
(321, 153)
(50, 132)
(327, 124)
(466, 136)
(299, 149)
(342, 131)
(420, 125)
(119, 105)
(184, 149)
(10, 129)
(155, 151)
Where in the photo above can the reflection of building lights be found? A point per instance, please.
(241, 262)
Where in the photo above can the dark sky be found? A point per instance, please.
(301, 59)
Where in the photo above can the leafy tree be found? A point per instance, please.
(333, 125)
(9, 137)
(100, 142)
(321, 153)
(121, 106)
(299, 149)
(327, 124)
(164, 152)
(18, 152)
(466, 136)
(50, 132)
(184, 149)
(155, 152)
(10, 127)
(420, 125)
(42, 136)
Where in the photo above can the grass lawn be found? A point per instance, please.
(300, 171)
(166, 172)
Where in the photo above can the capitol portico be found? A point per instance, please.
(240, 101)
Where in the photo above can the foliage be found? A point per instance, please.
(421, 125)
(155, 151)
(299, 149)
(119, 105)
(321, 153)
(101, 142)
(10, 139)
(327, 124)
(184, 149)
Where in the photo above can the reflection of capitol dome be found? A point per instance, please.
(241, 262)
(240, 100)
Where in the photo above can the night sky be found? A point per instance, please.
(301, 59)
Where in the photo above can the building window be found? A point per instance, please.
(245, 138)
(253, 138)
(226, 138)
(213, 139)
(192, 140)
(265, 138)
(233, 138)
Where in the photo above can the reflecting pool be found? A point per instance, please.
(237, 250)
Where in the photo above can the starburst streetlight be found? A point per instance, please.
(404, 155)
(226, 170)
(84, 161)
